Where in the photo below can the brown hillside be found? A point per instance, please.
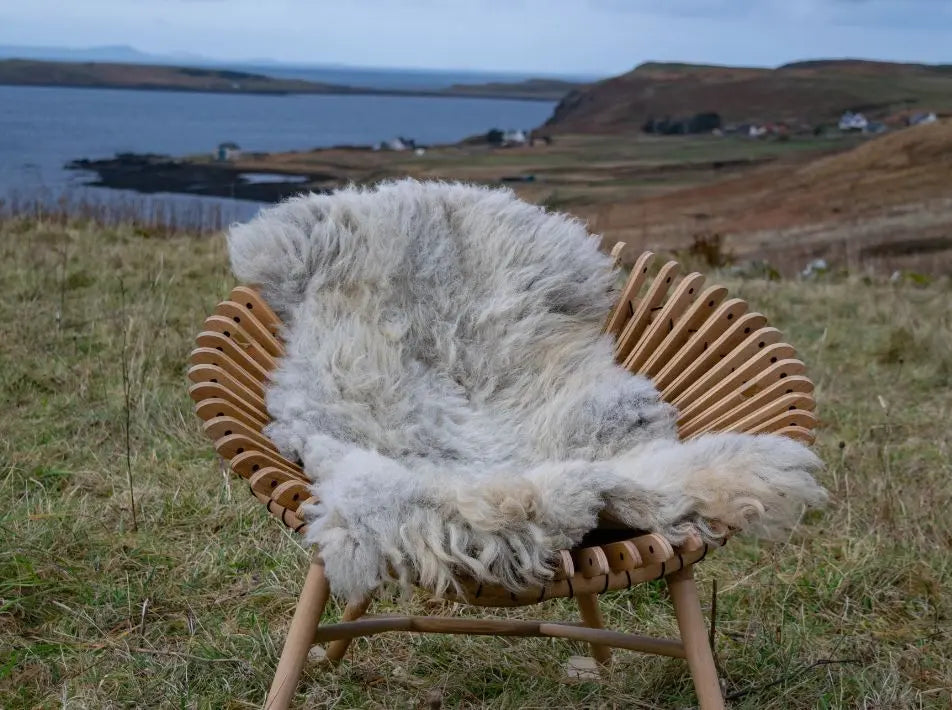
(888, 200)
(802, 94)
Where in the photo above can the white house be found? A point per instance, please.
(850, 121)
(228, 151)
(516, 137)
(921, 119)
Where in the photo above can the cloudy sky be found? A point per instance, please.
(545, 36)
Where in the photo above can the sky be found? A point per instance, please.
(591, 37)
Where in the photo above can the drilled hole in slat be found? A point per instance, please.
(226, 334)
(773, 360)
(255, 467)
(274, 484)
(710, 304)
(296, 497)
(782, 375)
(789, 392)
(690, 291)
(220, 349)
(730, 316)
(761, 344)
(214, 380)
(651, 549)
(240, 451)
(746, 331)
(250, 306)
(227, 432)
(236, 319)
(220, 414)
(667, 280)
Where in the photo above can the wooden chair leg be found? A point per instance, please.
(352, 612)
(300, 638)
(592, 616)
(687, 609)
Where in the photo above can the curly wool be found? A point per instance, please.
(450, 392)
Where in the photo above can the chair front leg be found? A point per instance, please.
(687, 609)
(300, 638)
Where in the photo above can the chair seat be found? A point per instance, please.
(720, 365)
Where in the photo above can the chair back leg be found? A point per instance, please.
(300, 638)
(592, 616)
(697, 648)
(353, 611)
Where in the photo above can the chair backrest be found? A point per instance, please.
(717, 362)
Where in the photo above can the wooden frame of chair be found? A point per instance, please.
(720, 365)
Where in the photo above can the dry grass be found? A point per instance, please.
(189, 610)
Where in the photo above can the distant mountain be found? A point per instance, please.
(216, 79)
(108, 53)
(389, 78)
(800, 94)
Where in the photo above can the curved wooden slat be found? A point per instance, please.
(746, 400)
(227, 327)
(743, 335)
(217, 341)
(681, 298)
(203, 390)
(791, 418)
(496, 596)
(732, 372)
(249, 462)
(219, 407)
(590, 561)
(768, 412)
(230, 446)
(248, 322)
(210, 356)
(223, 427)
(564, 566)
(622, 555)
(653, 548)
(646, 308)
(216, 375)
(708, 333)
(291, 494)
(684, 328)
(288, 517)
(798, 433)
(252, 301)
(625, 308)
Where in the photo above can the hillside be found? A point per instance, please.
(111, 75)
(147, 76)
(800, 94)
(887, 200)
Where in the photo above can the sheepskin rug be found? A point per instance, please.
(450, 392)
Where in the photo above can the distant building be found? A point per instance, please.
(850, 122)
(228, 151)
(920, 119)
(516, 137)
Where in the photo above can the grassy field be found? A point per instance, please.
(185, 604)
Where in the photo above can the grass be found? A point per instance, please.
(189, 609)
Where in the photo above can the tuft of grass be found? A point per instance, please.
(189, 609)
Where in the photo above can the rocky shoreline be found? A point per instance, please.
(151, 173)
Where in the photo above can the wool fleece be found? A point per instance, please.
(450, 392)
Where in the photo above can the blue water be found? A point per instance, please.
(43, 128)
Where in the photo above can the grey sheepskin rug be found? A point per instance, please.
(449, 390)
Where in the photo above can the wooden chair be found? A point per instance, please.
(718, 362)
